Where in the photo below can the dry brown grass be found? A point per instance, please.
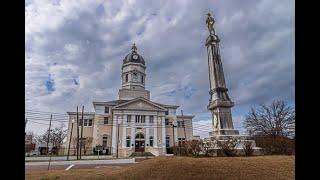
(259, 167)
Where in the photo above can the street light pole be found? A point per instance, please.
(70, 139)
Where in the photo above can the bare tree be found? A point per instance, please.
(276, 119)
(57, 135)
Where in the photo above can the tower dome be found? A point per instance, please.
(133, 56)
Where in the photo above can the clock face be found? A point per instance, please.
(135, 57)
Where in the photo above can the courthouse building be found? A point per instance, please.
(132, 123)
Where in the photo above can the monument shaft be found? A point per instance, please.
(219, 104)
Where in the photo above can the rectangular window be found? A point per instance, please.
(106, 109)
(142, 79)
(167, 122)
(127, 78)
(151, 141)
(128, 141)
(167, 112)
(151, 119)
(167, 141)
(89, 122)
(128, 118)
(105, 120)
(85, 122)
(143, 118)
(137, 119)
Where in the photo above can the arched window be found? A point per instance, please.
(127, 77)
(151, 141)
(128, 141)
(104, 141)
(139, 136)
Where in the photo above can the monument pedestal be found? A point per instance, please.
(224, 132)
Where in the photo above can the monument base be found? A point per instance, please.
(240, 147)
(224, 132)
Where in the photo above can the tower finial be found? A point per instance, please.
(134, 47)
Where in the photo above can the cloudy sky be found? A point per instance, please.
(74, 52)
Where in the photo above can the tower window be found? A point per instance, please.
(127, 77)
(142, 79)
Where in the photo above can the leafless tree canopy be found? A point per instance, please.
(276, 119)
(57, 135)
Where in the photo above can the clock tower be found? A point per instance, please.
(133, 76)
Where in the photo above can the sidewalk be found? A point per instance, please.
(64, 158)
(111, 161)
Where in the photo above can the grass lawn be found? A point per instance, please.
(256, 167)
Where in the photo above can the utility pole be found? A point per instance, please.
(49, 134)
(184, 126)
(49, 141)
(70, 139)
(77, 134)
(118, 138)
(81, 140)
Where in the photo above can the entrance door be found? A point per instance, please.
(139, 147)
(139, 142)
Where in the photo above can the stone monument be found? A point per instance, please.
(219, 104)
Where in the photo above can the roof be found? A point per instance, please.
(114, 102)
(118, 102)
(84, 113)
(134, 57)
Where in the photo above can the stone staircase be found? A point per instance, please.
(141, 154)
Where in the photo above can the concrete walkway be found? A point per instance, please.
(64, 158)
(78, 162)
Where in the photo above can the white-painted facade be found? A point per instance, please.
(133, 123)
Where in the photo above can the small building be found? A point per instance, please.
(133, 122)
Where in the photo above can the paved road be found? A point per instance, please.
(85, 164)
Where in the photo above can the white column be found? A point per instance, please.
(155, 134)
(114, 134)
(163, 127)
(147, 137)
(124, 136)
(133, 131)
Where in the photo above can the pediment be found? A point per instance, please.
(140, 104)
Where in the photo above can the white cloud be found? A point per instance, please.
(85, 42)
